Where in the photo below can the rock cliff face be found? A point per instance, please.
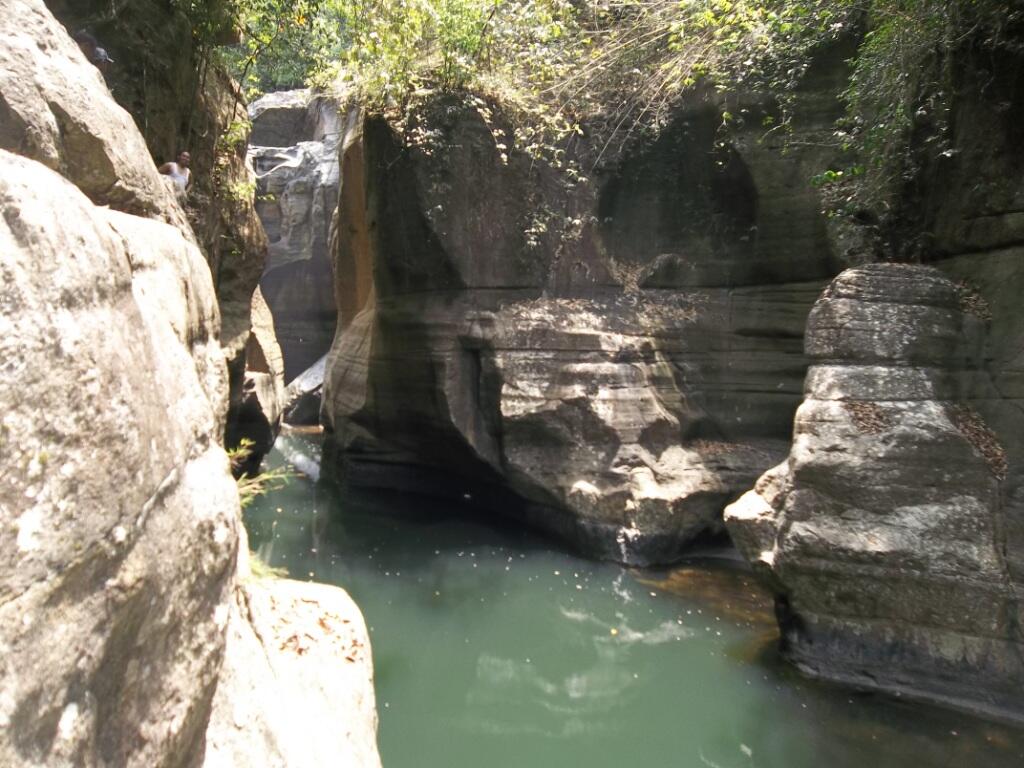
(119, 514)
(295, 153)
(887, 534)
(894, 535)
(179, 99)
(119, 526)
(614, 361)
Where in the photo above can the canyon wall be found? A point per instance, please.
(180, 98)
(612, 359)
(294, 149)
(119, 590)
(616, 358)
(887, 535)
(894, 533)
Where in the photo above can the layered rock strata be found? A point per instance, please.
(294, 150)
(888, 535)
(611, 359)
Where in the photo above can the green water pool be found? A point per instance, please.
(495, 649)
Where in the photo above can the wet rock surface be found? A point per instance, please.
(887, 535)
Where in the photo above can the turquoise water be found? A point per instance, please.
(493, 648)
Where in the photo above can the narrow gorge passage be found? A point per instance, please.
(492, 647)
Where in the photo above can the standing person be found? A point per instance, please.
(179, 173)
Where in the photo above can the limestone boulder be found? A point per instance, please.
(297, 684)
(56, 109)
(119, 523)
(888, 534)
(159, 97)
(258, 401)
(303, 396)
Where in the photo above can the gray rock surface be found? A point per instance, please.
(55, 108)
(615, 372)
(886, 535)
(118, 514)
(303, 396)
(86, 120)
(119, 524)
(297, 684)
(256, 416)
(295, 153)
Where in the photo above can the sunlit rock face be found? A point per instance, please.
(167, 97)
(256, 416)
(888, 534)
(119, 523)
(294, 151)
(613, 360)
(296, 688)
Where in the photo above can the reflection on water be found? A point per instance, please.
(493, 649)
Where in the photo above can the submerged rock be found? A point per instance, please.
(886, 535)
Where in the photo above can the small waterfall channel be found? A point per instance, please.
(493, 648)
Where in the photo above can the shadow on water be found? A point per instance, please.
(492, 647)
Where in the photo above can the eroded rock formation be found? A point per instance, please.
(614, 360)
(295, 153)
(120, 518)
(256, 417)
(886, 534)
(119, 524)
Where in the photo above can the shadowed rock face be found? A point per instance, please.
(886, 534)
(294, 150)
(177, 102)
(613, 362)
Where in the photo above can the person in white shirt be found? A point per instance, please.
(179, 174)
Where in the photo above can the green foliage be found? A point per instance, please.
(269, 44)
(251, 487)
(610, 69)
(260, 569)
(400, 45)
(904, 79)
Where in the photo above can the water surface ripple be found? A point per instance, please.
(493, 649)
